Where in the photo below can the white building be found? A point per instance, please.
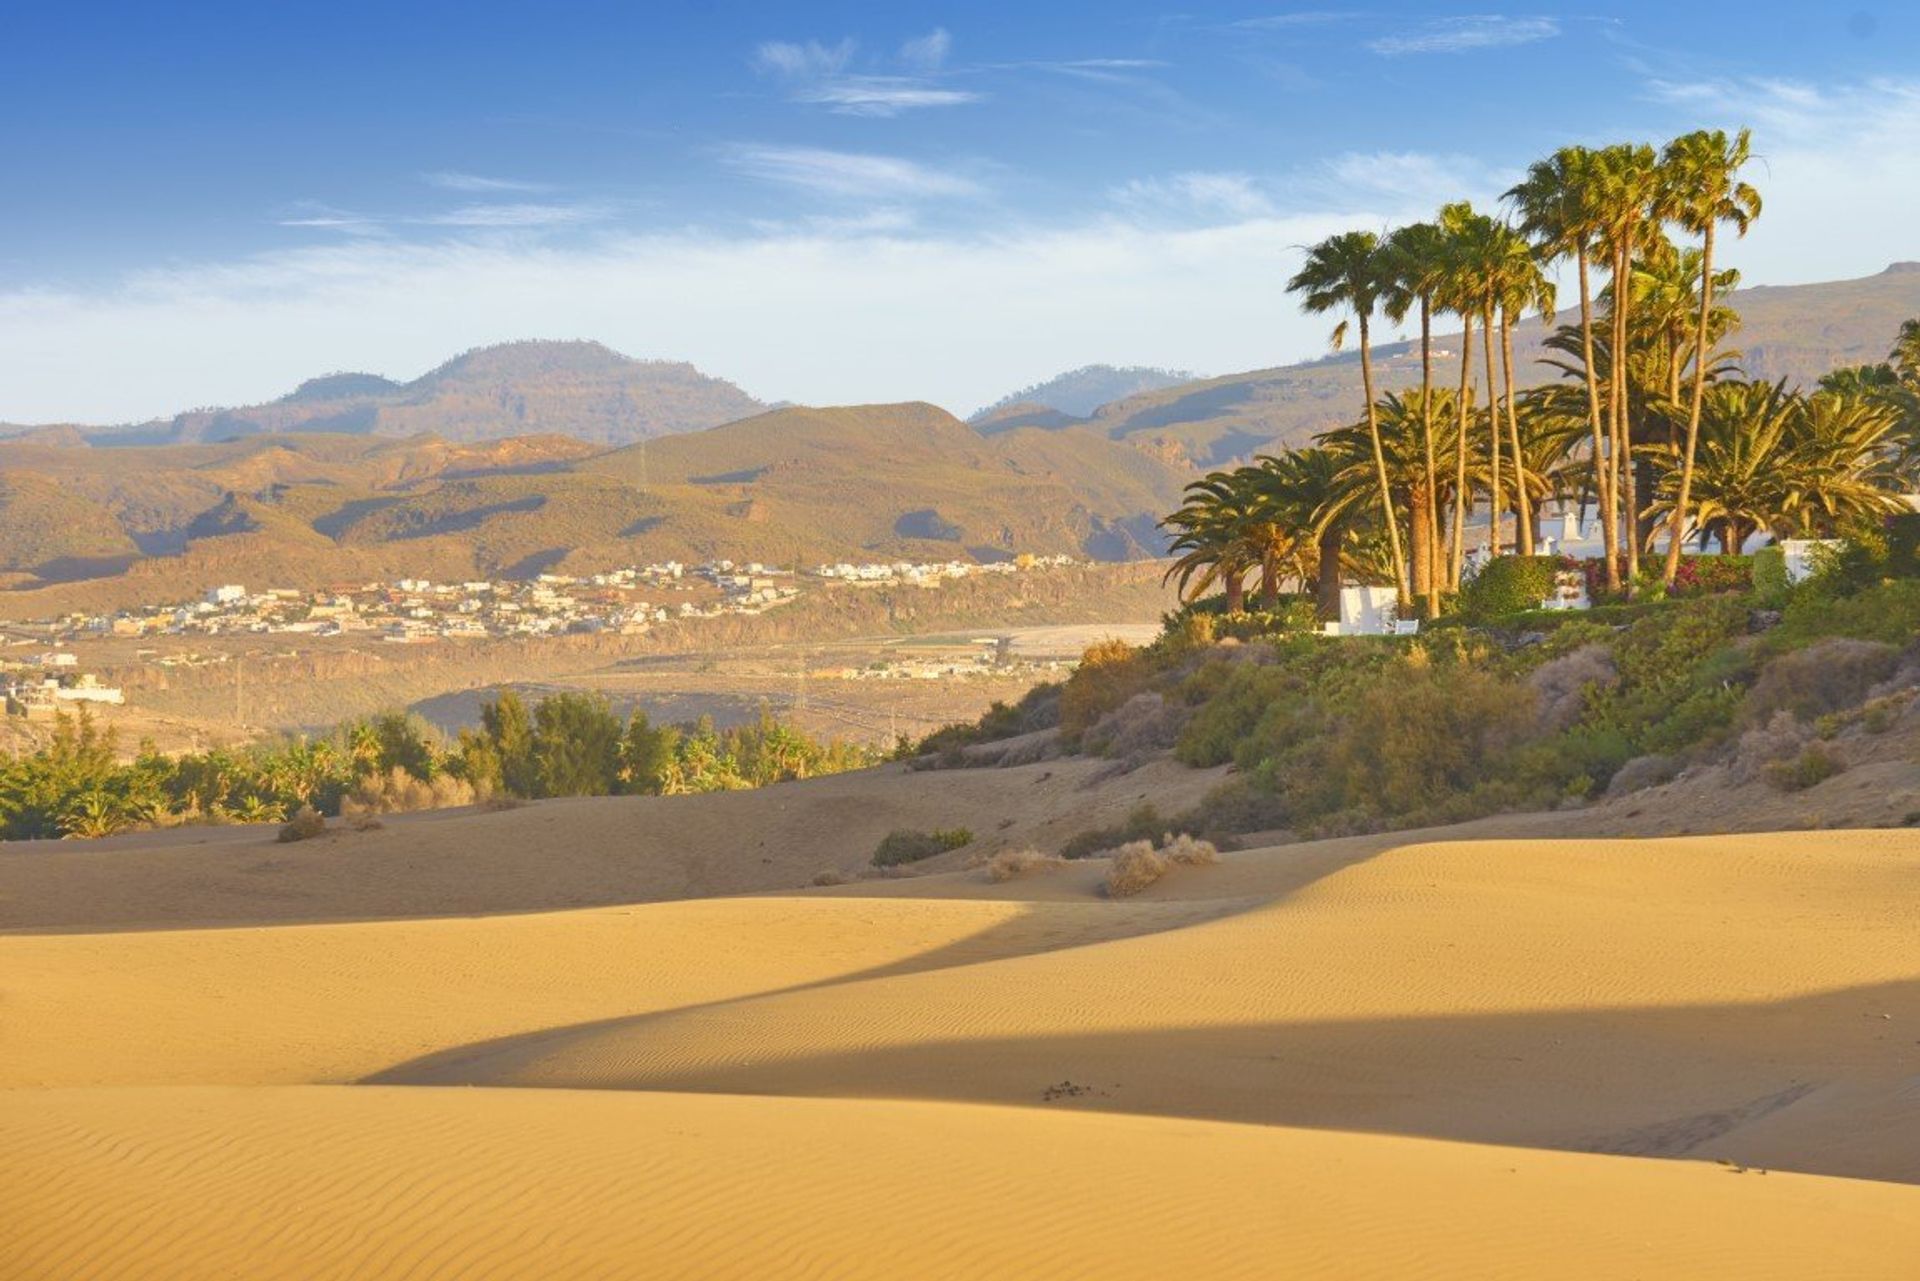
(226, 594)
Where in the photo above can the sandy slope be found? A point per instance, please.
(1304, 1035)
(562, 853)
(316, 1182)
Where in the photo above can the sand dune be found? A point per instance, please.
(317, 1182)
(1331, 1059)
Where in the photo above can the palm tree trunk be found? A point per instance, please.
(1236, 589)
(1420, 509)
(1269, 581)
(1493, 436)
(1677, 526)
(1326, 588)
(1602, 480)
(1433, 473)
(1524, 536)
(1622, 411)
(1457, 565)
(1402, 588)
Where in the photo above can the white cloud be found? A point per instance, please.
(516, 215)
(819, 76)
(1460, 35)
(881, 95)
(450, 180)
(1229, 196)
(820, 317)
(810, 58)
(928, 52)
(847, 173)
(1833, 164)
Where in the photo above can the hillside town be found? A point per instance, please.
(629, 601)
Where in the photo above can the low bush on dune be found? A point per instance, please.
(1138, 864)
(398, 792)
(909, 845)
(1012, 865)
(306, 824)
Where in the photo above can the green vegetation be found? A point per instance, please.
(1650, 424)
(565, 745)
(909, 845)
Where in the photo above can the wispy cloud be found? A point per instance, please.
(1207, 195)
(1465, 34)
(846, 173)
(880, 95)
(517, 215)
(313, 215)
(1304, 18)
(928, 52)
(809, 58)
(818, 74)
(451, 180)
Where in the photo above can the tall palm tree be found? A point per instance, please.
(1464, 258)
(1522, 285)
(1629, 193)
(1417, 256)
(1347, 272)
(1558, 206)
(1703, 173)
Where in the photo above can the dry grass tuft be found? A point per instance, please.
(306, 823)
(1136, 865)
(829, 876)
(398, 792)
(1011, 865)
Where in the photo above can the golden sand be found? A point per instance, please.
(1440, 1060)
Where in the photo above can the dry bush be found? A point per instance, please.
(1140, 727)
(1781, 737)
(1643, 772)
(1011, 865)
(1136, 865)
(306, 823)
(1561, 684)
(1821, 678)
(829, 876)
(366, 823)
(398, 792)
(909, 845)
(1190, 851)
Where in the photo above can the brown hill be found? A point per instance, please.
(578, 389)
(1796, 332)
(791, 485)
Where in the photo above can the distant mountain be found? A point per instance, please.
(97, 528)
(1796, 332)
(578, 389)
(1080, 391)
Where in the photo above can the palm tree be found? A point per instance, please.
(1215, 538)
(1558, 206)
(1522, 286)
(1405, 425)
(1417, 254)
(1628, 194)
(1304, 488)
(1466, 233)
(1347, 273)
(1703, 171)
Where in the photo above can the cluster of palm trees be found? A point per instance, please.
(1648, 423)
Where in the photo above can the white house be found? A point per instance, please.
(226, 594)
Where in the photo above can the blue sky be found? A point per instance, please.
(835, 202)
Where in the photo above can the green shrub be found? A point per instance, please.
(1770, 586)
(1510, 585)
(1110, 673)
(1815, 764)
(908, 845)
